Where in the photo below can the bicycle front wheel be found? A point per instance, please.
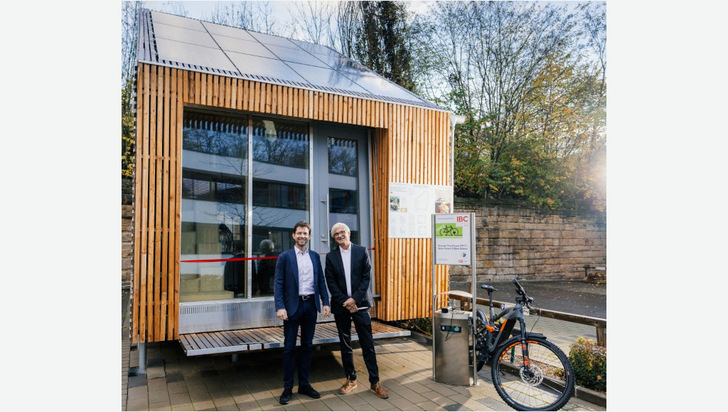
(543, 380)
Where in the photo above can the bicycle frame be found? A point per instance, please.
(494, 335)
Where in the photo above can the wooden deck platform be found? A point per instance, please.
(243, 340)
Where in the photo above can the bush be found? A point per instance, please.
(590, 364)
(423, 325)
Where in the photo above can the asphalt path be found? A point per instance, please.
(577, 297)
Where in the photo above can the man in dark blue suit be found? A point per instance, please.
(348, 274)
(299, 284)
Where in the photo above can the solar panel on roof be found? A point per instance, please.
(177, 21)
(207, 46)
(296, 56)
(165, 31)
(261, 66)
(230, 44)
(174, 51)
(326, 78)
(221, 30)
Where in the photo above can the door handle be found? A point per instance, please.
(324, 235)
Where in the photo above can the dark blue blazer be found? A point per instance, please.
(360, 278)
(285, 285)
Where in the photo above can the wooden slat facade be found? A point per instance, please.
(410, 145)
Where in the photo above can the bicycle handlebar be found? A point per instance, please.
(519, 289)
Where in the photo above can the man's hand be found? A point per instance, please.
(282, 314)
(350, 305)
(327, 311)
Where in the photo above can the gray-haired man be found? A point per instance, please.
(348, 273)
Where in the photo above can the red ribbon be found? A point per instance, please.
(237, 259)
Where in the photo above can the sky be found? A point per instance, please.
(282, 9)
(666, 219)
(197, 9)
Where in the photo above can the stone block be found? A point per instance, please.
(211, 283)
(189, 285)
(198, 296)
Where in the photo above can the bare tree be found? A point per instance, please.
(254, 16)
(268, 23)
(313, 21)
(129, 34)
(348, 22)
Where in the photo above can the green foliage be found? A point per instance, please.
(533, 98)
(127, 130)
(590, 364)
(130, 29)
(422, 325)
(381, 41)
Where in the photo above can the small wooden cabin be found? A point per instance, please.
(238, 136)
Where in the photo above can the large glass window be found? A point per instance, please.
(217, 239)
(342, 156)
(214, 173)
(343, 185)
(280, 192)
(280, 143)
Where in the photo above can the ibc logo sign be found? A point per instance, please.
(462, 219)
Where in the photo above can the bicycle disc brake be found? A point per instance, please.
(531, 375)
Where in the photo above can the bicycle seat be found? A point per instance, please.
(489, 288)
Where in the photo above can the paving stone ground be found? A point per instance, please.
(174, 381)
(177, 382)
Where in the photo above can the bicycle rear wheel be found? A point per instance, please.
(543, 381)
(480, 338)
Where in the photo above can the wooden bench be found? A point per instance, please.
(243, 340)
(466, 299)
(596, 274)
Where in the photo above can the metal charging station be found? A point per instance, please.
(453, 243)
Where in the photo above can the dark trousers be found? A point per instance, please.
(363, 325)
(305, 317)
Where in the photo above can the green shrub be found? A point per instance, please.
(590, 364)
(423, 325)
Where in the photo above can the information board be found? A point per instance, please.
(452, 239)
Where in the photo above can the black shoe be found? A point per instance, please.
(309, 390)
(285, 396)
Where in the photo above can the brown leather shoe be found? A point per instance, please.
(347, 387)
(379, 390)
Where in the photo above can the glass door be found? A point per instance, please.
(341, 184)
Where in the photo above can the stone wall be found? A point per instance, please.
(127, 232)
(534, 244)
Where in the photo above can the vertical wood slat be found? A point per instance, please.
(139, 190)
(164, 199)
(168, 329)
(177, 214)
(412, 146)
(152, 197)
(155, 307)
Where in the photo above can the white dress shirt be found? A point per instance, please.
(305, 272)
(346, 259)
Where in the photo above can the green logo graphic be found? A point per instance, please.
(448, 230)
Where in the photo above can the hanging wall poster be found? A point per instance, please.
(411, 207)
